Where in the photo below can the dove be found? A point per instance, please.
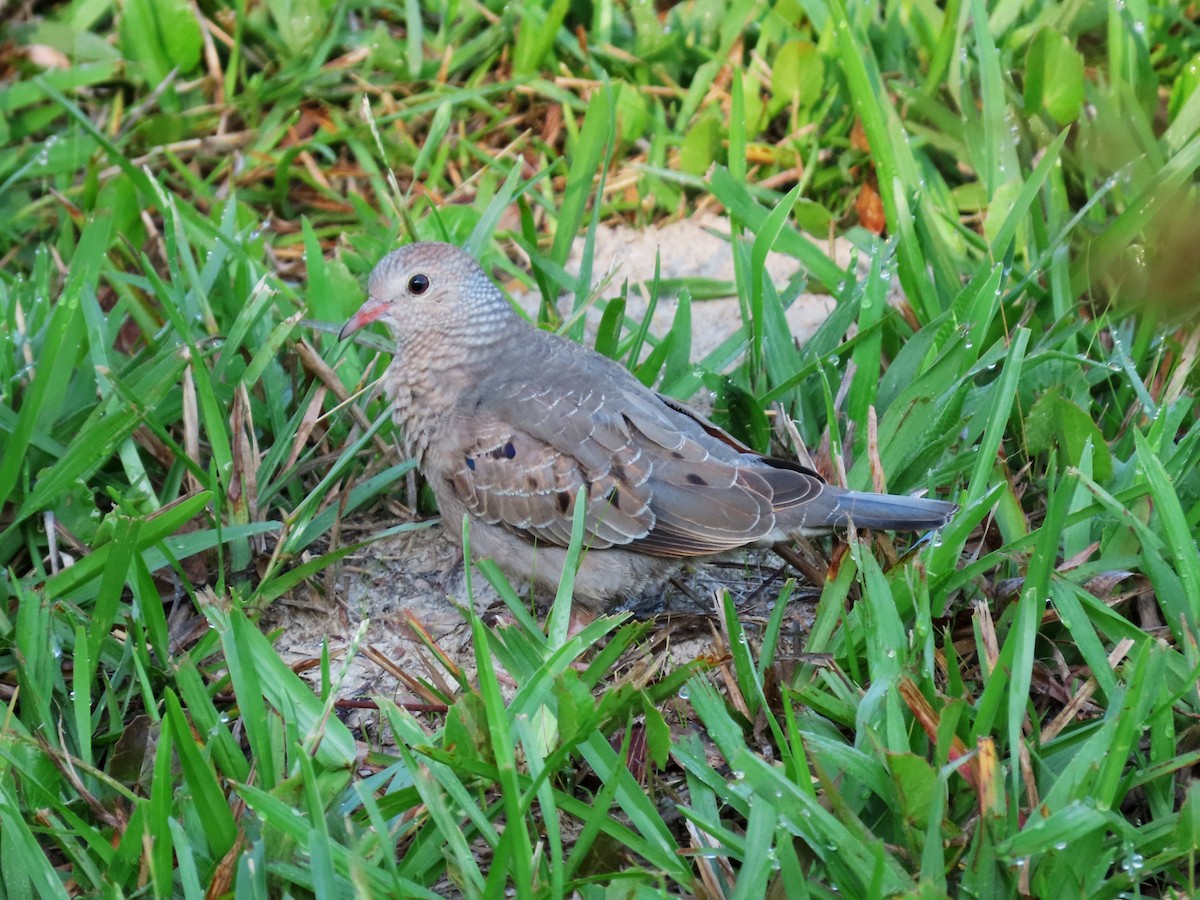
(509, 423)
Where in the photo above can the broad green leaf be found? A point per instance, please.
(1054, 77)
(701, 145)
(161, 35)
(797, 75)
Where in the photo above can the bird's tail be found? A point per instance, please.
(888, 511)
(839, 508)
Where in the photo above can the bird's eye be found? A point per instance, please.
(418, 284)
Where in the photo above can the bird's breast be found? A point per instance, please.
(421, 405)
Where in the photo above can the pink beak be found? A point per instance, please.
(367, 313)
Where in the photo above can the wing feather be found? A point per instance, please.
(657, 478)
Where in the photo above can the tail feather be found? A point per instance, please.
(889, 511)
(840, 508)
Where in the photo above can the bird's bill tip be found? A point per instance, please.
(367, 313)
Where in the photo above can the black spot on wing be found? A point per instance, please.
(505, 451)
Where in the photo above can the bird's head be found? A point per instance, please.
(432, 291)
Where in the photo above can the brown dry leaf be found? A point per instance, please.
(317, 367)
(310, 121)
(708, 862)
(762, 154)
(869, 206)
(309, 421)
(1104, 584)
(637, 760)
(427, 697)
(1187, 364)
(243, 480)
(1027, 777)
(45, 57)
(991, 781)
(552, 125)
(858, 137)
(987, 635)
(222, 879)
(909, 315)
(1079, 558)
(878, 479)
(423, 635)
(1084, 694)
(191, 424)
(925, 714)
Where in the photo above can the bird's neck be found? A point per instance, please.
(427, 379)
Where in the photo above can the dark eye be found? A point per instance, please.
(418, 284)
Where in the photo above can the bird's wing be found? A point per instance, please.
(654, 480)
(511, 475)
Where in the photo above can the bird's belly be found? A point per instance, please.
(604, 578)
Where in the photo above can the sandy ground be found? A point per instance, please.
(420, 576)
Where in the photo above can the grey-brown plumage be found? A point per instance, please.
(507, 423)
